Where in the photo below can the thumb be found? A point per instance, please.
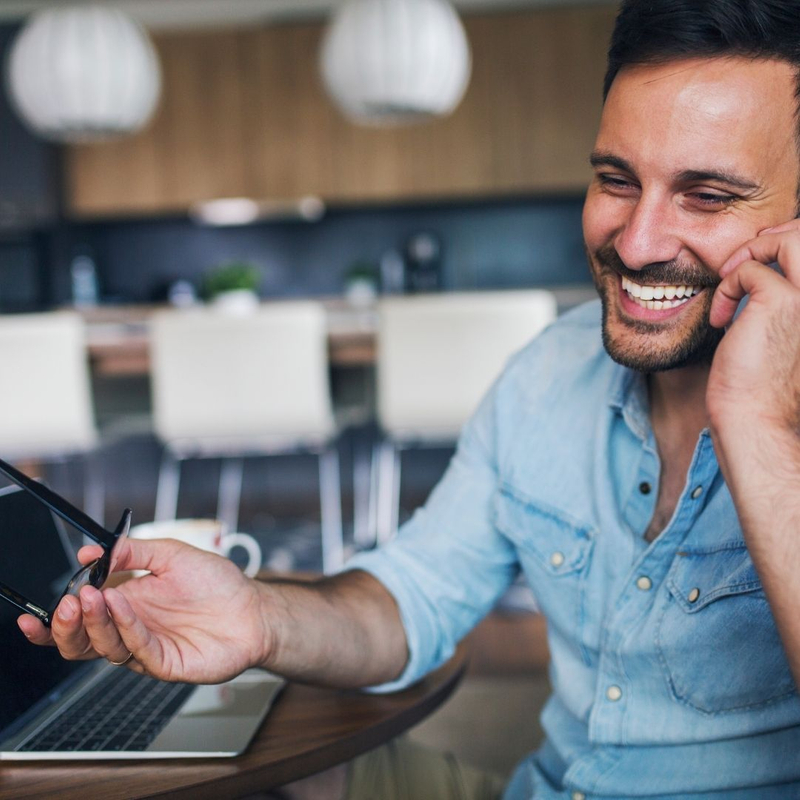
(148, 554)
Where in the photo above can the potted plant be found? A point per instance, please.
(361, 283)
(233, 286)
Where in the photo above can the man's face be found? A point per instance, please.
(693, 158)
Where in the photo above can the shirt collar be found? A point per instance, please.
(628, 397)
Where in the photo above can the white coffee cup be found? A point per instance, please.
(207, 534)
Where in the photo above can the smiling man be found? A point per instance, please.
(639, 461)
(692, 159)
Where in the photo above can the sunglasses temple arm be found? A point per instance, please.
(57, 504)
(23, 604)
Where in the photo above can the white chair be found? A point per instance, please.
(232, 386)
(46, 408)
(437, 355)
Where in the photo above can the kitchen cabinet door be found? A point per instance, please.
(191, 150)
(245, 113)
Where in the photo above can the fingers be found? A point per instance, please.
(99, 631)
(89, 553)
(134, 635)
(148, 554)
(99, 624)
(67, 630)
(35, 630)
(781, 244)
(751, 278)
(791, 225)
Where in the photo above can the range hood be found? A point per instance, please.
(229, 211)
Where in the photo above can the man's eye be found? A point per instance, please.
(712, 199)
(615, 182)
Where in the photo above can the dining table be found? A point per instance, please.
(308, 729)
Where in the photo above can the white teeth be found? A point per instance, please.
(658, 297)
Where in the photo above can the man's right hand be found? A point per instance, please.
(195, 618)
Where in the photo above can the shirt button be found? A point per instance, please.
(696, 492)
(694, 594)
(644, 583)
(578, 796)
(557, 559)
(613, 693)
(645, 487)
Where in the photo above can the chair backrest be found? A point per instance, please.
(259, 374)
(46, 405)
(438, 354)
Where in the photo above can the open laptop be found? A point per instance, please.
(56, 709)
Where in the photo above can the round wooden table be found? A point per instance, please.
(308, 729)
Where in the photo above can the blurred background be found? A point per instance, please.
(400, 180)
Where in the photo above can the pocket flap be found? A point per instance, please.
(699, 578)
(560, 544)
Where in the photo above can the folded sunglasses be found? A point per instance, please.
(93, 574)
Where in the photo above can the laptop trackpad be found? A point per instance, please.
(219, 719)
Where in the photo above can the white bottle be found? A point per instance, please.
(84, 281)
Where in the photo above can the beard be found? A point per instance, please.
(639, 345)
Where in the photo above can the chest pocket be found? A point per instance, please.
(716, 637)
(555, 553)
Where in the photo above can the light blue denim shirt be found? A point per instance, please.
(669, 678)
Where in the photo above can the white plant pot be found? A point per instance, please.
(236, 301)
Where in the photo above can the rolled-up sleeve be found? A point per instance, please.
(448, 564)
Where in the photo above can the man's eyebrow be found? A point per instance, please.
(601, 159)
(719, 176)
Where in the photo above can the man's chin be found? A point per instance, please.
(650, 348)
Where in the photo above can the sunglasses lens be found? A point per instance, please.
(93, 574)
(121, 533)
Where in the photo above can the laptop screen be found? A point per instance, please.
(37, 561)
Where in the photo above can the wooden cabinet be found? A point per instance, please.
(244, 113)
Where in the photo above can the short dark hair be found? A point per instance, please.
(658, 31)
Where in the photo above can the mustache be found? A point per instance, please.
(669, 273)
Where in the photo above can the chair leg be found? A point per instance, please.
(330, 497)
(373, 513)
(396, 475)
(363, 519)
(230, 492)
(387, 483)
(169, 477)
(94, 487)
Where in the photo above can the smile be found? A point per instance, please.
(659, 297)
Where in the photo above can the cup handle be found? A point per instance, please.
(231, 540)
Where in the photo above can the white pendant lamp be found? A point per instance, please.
(390, 62)
(83, 73)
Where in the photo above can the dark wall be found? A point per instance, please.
(28, 166)
(485, 245)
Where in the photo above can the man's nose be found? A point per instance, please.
(648, 235)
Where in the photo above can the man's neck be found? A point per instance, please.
(678, 402)
(678, 414)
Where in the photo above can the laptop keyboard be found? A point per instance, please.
(122, 711)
